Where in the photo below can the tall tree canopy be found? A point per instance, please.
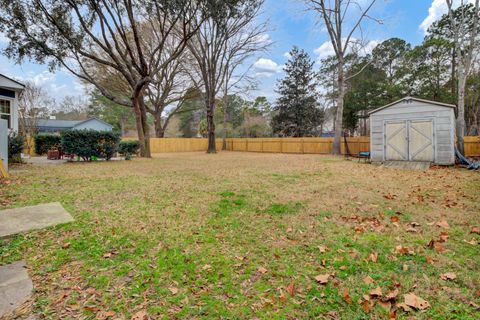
(297, 108)
(75, 34)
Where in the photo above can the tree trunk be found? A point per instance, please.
(159, 128)
(210, 103)
(339, 115)
(460, 122)
(224, 131)
(141, 123)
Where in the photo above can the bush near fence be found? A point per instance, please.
(45, 142)
(88, 144)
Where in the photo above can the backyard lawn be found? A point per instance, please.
(250, 236)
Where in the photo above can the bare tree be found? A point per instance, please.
(236, 82)
(74, 33)
(465, 33)
(33, 105)
(335, 15)
(224, 40)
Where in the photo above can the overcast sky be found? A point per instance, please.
(290, 24)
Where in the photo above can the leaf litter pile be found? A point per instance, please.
(250, 236)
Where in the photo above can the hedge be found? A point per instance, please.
(15, 147)
(128, 148)
(44, 142)
(89, 144)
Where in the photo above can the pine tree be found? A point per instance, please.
(297, 112)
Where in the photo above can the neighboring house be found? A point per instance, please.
(9, 94)
(56, 126)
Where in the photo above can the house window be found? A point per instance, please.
(5, 112)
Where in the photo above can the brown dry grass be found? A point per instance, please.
(204, 225)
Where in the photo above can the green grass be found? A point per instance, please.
(195, 236)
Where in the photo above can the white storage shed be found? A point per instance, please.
(412, 129)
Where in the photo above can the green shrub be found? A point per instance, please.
(15, 147)
(45, 142)
(90, 144)
(128, 148)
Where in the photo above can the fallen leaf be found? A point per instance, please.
(346, 296)
(429, 259)
(389, 196)
(322, 248)
(416, 302)
(366, 306)
(443, 224)
(173, 290)
(394, 219)
(404, 250)
(282, 297)
(475, 230)
(368, 280)
(448, 276)
(473, 242)
(391, 295)
(140, 315)
(66, 245)
(373, 257)
(443, 236)
(377, 292)
(207, 267)
(291, 289)
(392, 315)
(322, 278)
(108, 255)
(262, 270)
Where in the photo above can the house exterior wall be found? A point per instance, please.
(443, 122)
(14, 109)
(93, 124)
(4, 142)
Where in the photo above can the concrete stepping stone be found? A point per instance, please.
(15, 287)
(17, 220)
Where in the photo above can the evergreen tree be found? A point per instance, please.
(297, 111)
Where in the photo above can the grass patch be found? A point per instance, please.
(196, 236)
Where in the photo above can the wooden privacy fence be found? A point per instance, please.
(161, 145)
(282, 145)
(272, 145)
(297, 145)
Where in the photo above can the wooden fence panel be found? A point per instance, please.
(472, 146)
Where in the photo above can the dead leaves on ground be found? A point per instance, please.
(415, 302)
(448, 276)
(323, 278)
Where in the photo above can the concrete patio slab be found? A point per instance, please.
(15, 287)
(17, 220)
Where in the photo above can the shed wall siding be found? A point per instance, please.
(443, 119)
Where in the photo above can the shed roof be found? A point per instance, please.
(441, 104)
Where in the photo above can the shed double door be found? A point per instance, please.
(409, 140)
